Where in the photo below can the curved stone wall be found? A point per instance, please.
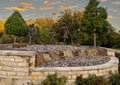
(39, 74)
(19, 68)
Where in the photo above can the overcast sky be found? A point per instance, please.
(31, 9)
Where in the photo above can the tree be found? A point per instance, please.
(95, 19)
(16, 25)
(71, 20)
(1, 27)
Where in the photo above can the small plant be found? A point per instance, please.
(115, 79)
(92, 80)
(54, 80)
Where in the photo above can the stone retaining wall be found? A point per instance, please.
(19, 67)
(39, 74)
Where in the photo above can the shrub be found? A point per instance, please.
(92, 80)
(54, 80)
(115, 79)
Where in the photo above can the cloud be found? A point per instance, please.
(19, 8)
(102, 0)
(27, 5)
(110, 17)
(51, 3)
(46, 8)
(116, 2)
(68, 7)
(113, 10)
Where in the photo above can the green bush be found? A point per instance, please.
(6, 39)
(92, 80)
(115, 79)
(54, 80)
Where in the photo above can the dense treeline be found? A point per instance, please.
(75, 27)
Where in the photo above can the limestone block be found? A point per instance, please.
(19, 60)
(111, 53)
(9, 59)
(23, 64)
(47, 57)
(69, 77)
(45, 73)
(11, 73)
(82, 72)
(5, 81)
(21, 69)
(39, 59)
(9, 64)
(3, 73)
(37, 73)
(7, 68)
(55, 55)
(93, 72)
(21, 82)
(74, 76)
(68, 53)
(71, 81)
(71, 73)
(50, 73)
(34, 78)
(22, 74)
(42, 78)
(32, 61)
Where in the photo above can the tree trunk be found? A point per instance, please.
(94, 39)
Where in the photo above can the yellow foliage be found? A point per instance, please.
(1, 26)
(29, 21)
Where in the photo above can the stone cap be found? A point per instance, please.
(17, 53)
(114, 61)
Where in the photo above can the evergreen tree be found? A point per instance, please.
(16, 25)
(95, 19)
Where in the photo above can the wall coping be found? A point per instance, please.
(113, 61)
(17, 53)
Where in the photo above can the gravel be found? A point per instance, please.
(77, 61)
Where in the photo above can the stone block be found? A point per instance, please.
(68, 53)
(82, 72)
(6, 68)
(5, 81)
(23, 64)
(39, 59)
(33, 78)
(9, 59)
(37, 73)
(111, 54)
(9, 64)
(1, 68)
(74, 76)
(93, 72)
(11, 73)
(3, 73)
(19, 60)
(50, 73)
(71, 73)
(71, 81)
(21, 69)
(69, 77)
(47, 57)
(22, 74)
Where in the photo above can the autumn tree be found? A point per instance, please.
(95, 19)
(71, 20)
(1, 27)
(16, 25)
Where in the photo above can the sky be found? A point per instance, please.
(32, 9)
